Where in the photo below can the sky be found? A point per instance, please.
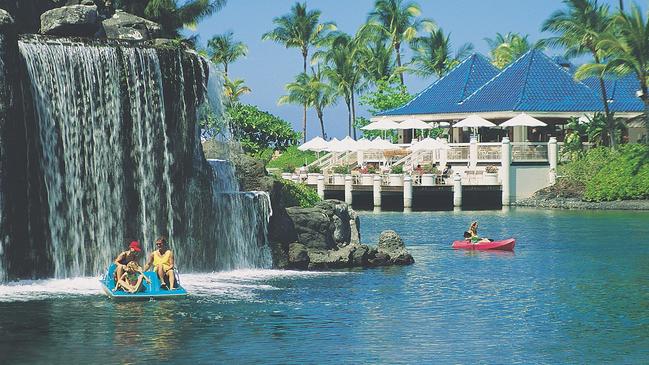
(269, 66)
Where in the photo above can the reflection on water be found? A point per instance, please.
(570, 293)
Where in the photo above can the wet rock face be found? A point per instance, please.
(127, 26)
(75, 20)
(6, 19)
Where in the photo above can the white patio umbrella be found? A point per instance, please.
(382, 145)
(348, 144)
(316, 144)
(523, 120)
(381, 125)
(414, 124)
(334, 146)
(363, 144)
(474, 121)
(428, 144)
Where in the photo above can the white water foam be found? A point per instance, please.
(223, 286)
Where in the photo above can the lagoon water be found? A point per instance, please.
(574, 291)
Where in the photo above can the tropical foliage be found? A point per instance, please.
(172, 15)
(223, 49)
(386, 96)
(579, 27)
(233, 90)
(505, 49)
(258, 130)
(433, 54)
(627, 50)
(298, 194)
(398, 21)
(292, 157)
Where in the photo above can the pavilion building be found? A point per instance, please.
(535, 84)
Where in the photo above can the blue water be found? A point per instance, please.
(574, 291)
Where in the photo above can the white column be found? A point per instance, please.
(473, 152)
(321, 186)
(360, 157)
(505, 162)
(348, 189)
(407, 191)
(443, 157)
(553, 159)
(377, 191)
(457, 190)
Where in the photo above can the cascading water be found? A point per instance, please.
(111, 145)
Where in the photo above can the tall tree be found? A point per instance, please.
(379, 61)
(234, 89)
(344, 69)
(324, 95)
(224, 49)
(300, 93)
(627, 50)
(398, 21)
(433, 54)
(301, 29)
(578, 29)
(172, 15)
(505, 49)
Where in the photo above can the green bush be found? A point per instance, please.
(298, 194)
(397, 169)
(342, 169)
(604, 174)
(314, 170)
(624, 176)
(429, 169)
(292, 156)
(288, 168)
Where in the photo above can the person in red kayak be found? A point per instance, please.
(472, 234)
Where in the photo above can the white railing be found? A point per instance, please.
(529, 151)
(458, 152)
(489, 151)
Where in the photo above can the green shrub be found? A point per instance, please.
(625, 175)
(371, 169)
(298, 194)
(429, 169)
(397, 169)
(292, 156)
(342, 169)
(288, 168)
(314, 169)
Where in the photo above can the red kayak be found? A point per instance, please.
(504, 245)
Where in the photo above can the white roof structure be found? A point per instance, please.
(474, 121)
(428, 144)
(523, 120)
(414, 124)
(381, 125)
(316, 144)
(363, 144)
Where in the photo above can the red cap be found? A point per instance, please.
(135, 245)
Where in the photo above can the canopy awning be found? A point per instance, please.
(523, 120)
(474, 121)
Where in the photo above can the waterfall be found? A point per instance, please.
(113, 154)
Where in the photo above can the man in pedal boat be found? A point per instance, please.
(162, 260)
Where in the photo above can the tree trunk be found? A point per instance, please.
(225, 67)
(353, 123)
(319, 112)
(621, 6)
(645, 100)
(397, 48)
(349, 116)
(607, 112)
(304, 126)
(305, 55)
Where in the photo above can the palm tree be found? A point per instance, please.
(300, 29)
(433, 54)
(579, 27)
(234, 89)
(344, 69)
(627, 51)
(223, 49)
(397, 21)
(324, 95)
(379, 61)
(172, 15)
(507, 48)
(300, 93)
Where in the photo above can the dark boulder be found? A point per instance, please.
(75, 20)
(391, 244)
(313, 228)
(298, 257)
(127, 26)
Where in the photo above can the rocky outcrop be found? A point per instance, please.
(75, 20)
(327, 237)
(127, 26)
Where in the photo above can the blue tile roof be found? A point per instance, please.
(444, 94)
(533, 83)
(620, 92)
